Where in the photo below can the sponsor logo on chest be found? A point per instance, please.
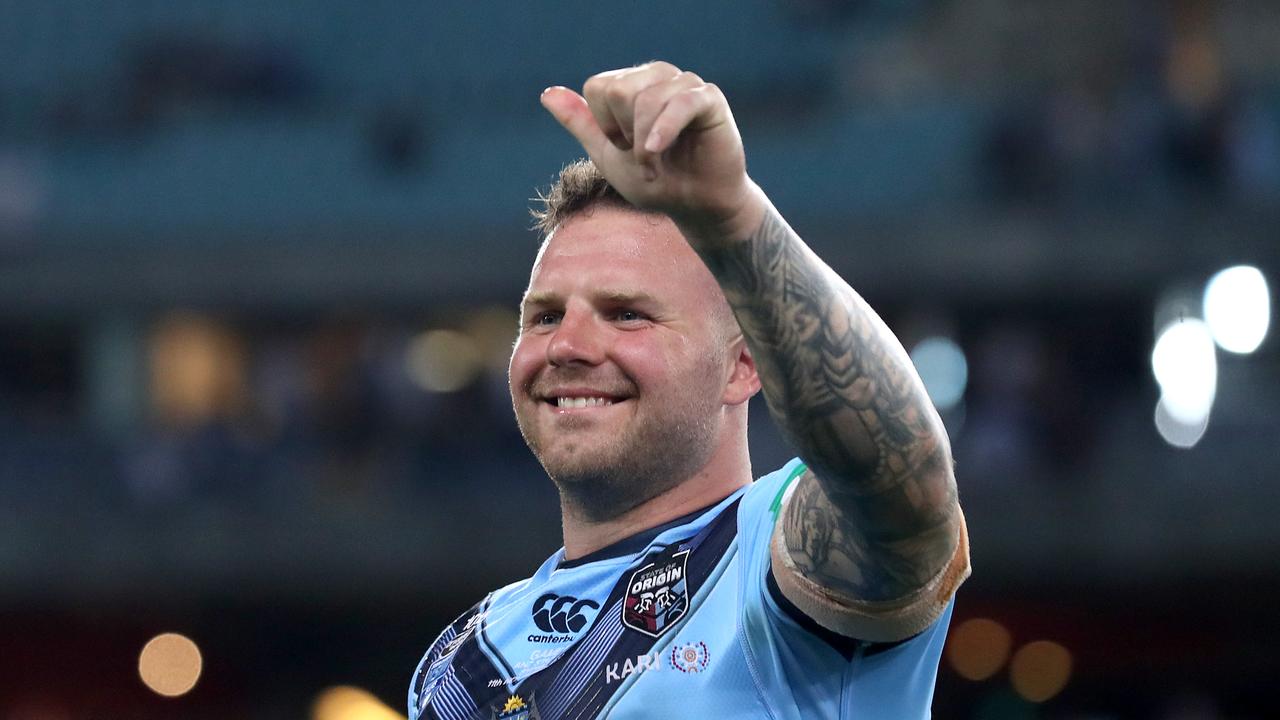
(561, 617)
(618, 671)
(688, 658)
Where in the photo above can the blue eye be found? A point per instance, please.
(630, 317)
(546, 318)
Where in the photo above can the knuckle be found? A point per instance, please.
(692, 78)
(685, 98)
(597, 86)
(665, 67)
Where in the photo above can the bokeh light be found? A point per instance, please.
(1040, 670)
(350, 703)
(443, 361)
(1179, 433)
(1237, 307)
(978, 648)
(1186, 368)
(494, 329)
(197, 369)
(943, 368)
(170, 664)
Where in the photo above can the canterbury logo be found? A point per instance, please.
(561, 613)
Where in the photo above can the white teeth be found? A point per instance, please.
(582, 402)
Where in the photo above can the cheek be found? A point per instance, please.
(524, 362)
(639, 359)
(657, 368)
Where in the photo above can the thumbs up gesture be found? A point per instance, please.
(667, 141)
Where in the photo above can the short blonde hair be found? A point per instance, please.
(579, 186)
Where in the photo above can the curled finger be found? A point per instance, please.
(698, 108)
(650, 104)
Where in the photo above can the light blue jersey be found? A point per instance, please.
(681, 621)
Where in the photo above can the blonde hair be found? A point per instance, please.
(579, 186)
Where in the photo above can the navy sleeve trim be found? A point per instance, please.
(846, 646)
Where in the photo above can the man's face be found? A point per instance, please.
(618, 374)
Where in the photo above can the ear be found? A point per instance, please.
(743, 381)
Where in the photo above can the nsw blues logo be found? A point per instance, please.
(657, 594)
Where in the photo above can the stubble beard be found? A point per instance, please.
(650, 455)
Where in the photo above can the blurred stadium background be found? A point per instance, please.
(258, 271)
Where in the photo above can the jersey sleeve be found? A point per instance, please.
(803, 670)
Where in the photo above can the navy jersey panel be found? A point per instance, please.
(684, 625)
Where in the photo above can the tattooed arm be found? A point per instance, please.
(872, 542)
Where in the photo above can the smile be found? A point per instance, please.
(582, 402)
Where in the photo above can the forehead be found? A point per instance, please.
(615, 249)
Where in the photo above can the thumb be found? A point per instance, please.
(571, 111)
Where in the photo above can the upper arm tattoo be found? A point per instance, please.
(877, 517)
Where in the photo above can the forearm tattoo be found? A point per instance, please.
(876, 516)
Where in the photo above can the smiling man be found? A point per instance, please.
(667, 293)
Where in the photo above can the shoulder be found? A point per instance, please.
(763, 501)
(503, 594)
(757, 515)
(456, 632)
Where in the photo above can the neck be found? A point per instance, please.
(710, 485)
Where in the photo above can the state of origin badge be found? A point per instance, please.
(657, 594)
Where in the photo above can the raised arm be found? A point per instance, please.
(872, 542)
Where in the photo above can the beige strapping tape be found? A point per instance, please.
(879, 621)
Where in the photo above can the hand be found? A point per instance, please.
(667, 142)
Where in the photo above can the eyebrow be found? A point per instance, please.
(547, 297)
(614, 297)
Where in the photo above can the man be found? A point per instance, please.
(669, 291)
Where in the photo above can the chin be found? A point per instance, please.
(577, 470)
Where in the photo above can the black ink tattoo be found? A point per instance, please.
(876, 516)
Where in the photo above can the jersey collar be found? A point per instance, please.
(633, 544)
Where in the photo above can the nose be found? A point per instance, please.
(579, 338)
